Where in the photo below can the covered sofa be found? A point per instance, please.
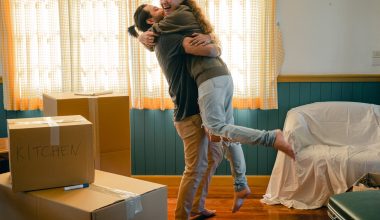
(335, 144)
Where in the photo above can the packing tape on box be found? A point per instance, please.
(54, 131)
(132, 200)
(53, 124)
(48, 120)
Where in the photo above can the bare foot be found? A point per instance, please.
(239, 198)
(282, 145)
(206, 213)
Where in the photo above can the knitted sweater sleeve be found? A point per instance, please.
(180, 20)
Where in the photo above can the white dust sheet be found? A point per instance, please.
(336, 143)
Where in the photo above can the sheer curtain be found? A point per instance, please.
(83, 46)
(98, 45)
(251, 47)
(62, 46)
(31, 52)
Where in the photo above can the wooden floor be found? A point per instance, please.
(220, 199)
(3, 145)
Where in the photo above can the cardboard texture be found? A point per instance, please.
(369, 181)
(51, 152)
(101, 201)
(110, 116)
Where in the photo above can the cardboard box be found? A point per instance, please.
(103, 200)
(367, 182)
(110, 116)
(51, 152)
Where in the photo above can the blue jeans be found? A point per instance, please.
(215, 103)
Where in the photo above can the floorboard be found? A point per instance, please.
(220, 199)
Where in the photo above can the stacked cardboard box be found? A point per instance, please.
(49, 152)
(110, 117)
(111, 196)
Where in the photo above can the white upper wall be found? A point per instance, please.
(329, 36)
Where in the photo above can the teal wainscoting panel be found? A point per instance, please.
(133, 140)
(315, 92)
(347, 91)
(159, 146)
(139, 147)
(326, 92)
(158, 150)
(150, 140)
(159, 143)
(336, 92)
(305, 90)
(357, 92)
(170, 143)
(372, 92)
(3, 116)
(284, 104)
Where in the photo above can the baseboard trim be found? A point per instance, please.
(217, 181)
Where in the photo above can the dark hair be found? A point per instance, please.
(140, 18)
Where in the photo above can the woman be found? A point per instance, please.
(201, 157)
(215, 87)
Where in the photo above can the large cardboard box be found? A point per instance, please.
(48, 152)
(110, 116)
(111, 196)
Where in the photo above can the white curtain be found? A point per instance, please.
(63, 46)
(251, 48)
(83, 46)
(97, 44)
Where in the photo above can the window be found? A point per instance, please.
(251, 49)
(82, 45)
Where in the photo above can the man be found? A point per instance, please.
(201, 158)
